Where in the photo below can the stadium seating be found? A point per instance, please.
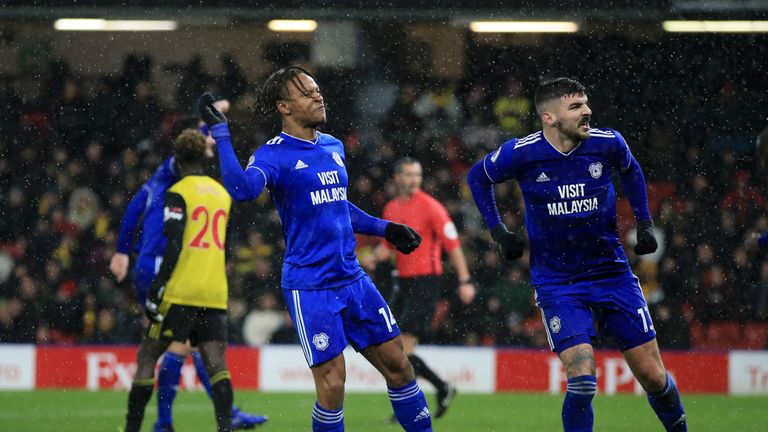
(729, 335)
(755, 336)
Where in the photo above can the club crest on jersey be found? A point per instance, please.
(596, 169)
(554, 324)
(337, 158)
(320, 341)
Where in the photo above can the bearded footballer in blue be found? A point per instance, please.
(578, 266)
(331, 300)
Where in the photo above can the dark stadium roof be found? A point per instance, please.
(382, 9)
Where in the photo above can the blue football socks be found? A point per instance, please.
(666, 403)
(202, 374)
(577, 406)
(324, 420)
(410, 407)
(167, 386)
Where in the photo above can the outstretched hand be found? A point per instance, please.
(510, 244)
(208, 111)
(403, 237)
(646, 242)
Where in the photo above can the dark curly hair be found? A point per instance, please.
(275, 88)
(189, 147)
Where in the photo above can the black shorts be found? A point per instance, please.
(197, 324)
(414, 305)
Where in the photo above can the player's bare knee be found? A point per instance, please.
(399, 371)
(330, 377)
(332, 386)
(146, 358)
(652, 379)
(213, 353)
(578, 360)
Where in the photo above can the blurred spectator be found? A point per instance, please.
(514, 332)
(232, 83)
(672, 330)
(401, 125)
(514, 110)
(760, 288)
(143, 113)
(192, 83)
(65, 313)
(744, 201)
(711, 299)
(439, 111)
(70, 116)
(479, 127)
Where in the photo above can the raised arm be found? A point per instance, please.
(243, 185)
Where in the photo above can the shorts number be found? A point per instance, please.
(198, 241)
(644, 312)
(388, 318)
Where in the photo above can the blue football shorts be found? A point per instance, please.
(326, 320)
(569, 312)
(144, 272)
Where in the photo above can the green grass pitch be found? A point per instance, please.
(83, 411)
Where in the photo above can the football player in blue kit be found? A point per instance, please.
(331, 300)
(143, 217)
(578, 267)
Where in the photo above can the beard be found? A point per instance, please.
(572, 133)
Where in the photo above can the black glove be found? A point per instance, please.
(403, 237)
(510, 244)
(646, 242)
(210, 115)
(152, 306)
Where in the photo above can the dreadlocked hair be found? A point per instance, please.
(276, 88)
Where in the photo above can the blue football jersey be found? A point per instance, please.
(570, 203)
(308, 184)
(152, 241)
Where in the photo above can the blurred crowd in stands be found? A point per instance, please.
(72, 156)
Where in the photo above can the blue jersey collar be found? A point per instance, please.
(558, 151)
(293, 138)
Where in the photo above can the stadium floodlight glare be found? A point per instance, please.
(95, 24)
(523, 26)
(279, 25)
(692, 26)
